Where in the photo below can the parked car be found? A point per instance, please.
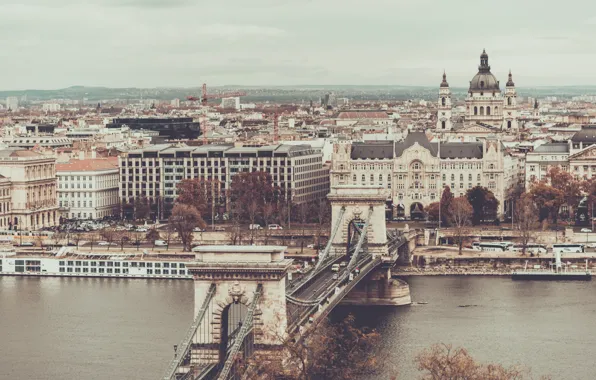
(220, 229)
(141, 229)
(26, 244)
(197, 229)
(255, 227)
(592, 245)
(160, 243)
(399, 219)
(586, 230)
(275, 227)
(104, 243)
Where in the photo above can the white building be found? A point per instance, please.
(51, 107)
(231, 103)
(88, 189)
(12, 103)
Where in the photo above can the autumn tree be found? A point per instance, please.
(442, 362)
(571, 188)
(142, 209)
(253, 210)
(203, 194)
(184, 219)
(432, 210)
(526, 219)
(255, 186)
(483, 202)
(331, 351)
(460, 217)
(547, 199)
(446, 199)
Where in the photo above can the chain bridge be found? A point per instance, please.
(246, 306)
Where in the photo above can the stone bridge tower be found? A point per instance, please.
(236, 272)
(355, 202)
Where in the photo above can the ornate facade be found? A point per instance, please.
(414, 171)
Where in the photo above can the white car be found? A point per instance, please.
(586, 230)
(104, 243)
(141, 229)
(197, 229)
(275, 227)
(160, 243)
(591, 245)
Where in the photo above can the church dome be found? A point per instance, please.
(484, 80)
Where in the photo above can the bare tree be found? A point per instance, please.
(252, 210)
(92, 240)
(323, 215)
(138, 238)
(76, 238)
(183, 220)
(303, 212)
(268, 215)
(109, 235)
(169, 234)
(460, 215)
(526, 219)
(442, 362)
(152, 236)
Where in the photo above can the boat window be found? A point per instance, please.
(125, 265)
(166, 271)
(116, 264)
(102, 264)
(174, 271)
(110, 263)
(93, 263)
(149, 265)
(166, 265)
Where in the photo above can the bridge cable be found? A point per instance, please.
(184, 345)
(246, 326)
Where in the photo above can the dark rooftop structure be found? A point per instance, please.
(586, 135)
(388, 150)
(169, 128)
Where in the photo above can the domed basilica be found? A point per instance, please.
(487, 109)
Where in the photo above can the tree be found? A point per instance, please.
(252, 210)
(76, 238)
(444, 362)
(123, 237)
(483, 202)
(446, 199)
(526, 218)
(92, 240)
(331, 351)
(432, 210)
(571, 188)
(184, 219)
(152, 235)
(322, 212)
(303, 212)
(255, 186)
(547, 199)
(138, 239)
(203, 194)
(142, 209)
(109, 235)
(460, 214)
(268, 215)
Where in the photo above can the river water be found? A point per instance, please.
(110, 329)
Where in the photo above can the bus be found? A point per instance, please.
(530, 248)
(492, 247)
(568, 248)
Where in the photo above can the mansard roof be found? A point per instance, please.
(462, 150)
(372, 149)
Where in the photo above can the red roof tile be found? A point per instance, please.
(91, 164)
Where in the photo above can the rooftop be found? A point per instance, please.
(91, 165)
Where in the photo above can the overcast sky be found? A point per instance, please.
(46, 44)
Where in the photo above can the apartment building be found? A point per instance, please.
(88, 189)
(33, 197)
(154, 172)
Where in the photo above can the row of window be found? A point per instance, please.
(126, 264)
(119, 271)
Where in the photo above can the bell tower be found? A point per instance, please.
(510, 123)
(444, 108)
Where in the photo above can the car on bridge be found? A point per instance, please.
(335, 268)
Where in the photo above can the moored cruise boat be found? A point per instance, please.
(112, 265)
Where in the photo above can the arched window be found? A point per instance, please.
(354, 178)
(372, 178)
(342, 167)
(491, 166)
(470, 177)
(453, 177)
(380, 178)
(461, 177)
(416, 166)
(475, 111)
(363, 178)
(478, 178)
(481, 111)
(444, 177)
(442, 101)
(508, 124)
(443, 124)
(509, 100)
(496, 111)
(488, 110)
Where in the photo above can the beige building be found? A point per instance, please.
(5, 202)
(88, 189)
(33, 188)
(414, 171)
(155, 171)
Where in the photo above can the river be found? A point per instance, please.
(108, 329)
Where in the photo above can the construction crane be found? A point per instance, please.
(205, 96)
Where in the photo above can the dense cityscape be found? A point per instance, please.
(280, 203)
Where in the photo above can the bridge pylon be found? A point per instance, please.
(238, 273)
(358, 204)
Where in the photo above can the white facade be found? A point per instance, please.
(12, 103)
(444, 108)
(231, 103)
(88, 189)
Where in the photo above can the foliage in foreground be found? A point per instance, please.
(443, 362)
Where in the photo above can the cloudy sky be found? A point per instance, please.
(48, 44)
